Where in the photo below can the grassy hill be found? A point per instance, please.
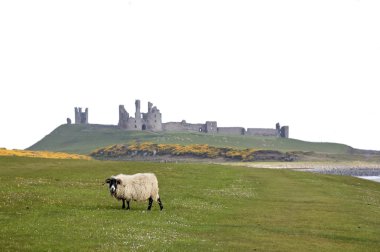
(55, 204)
(83, 139)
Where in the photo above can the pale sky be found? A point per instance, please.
(312, 65)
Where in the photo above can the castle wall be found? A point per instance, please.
(261, 132)
(231, 130)
(183, 126)
(211, 127)
(133, 124)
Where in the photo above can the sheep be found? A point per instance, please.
(137, 187)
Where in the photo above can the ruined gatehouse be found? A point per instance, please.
(142, 121)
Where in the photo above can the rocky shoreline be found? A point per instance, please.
(345, 171)
(356, 168)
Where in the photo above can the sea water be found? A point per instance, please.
(373, 178)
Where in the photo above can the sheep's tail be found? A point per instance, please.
(155, 190)
(156, 197)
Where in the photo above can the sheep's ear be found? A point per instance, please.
(118, 181)
(108, 181)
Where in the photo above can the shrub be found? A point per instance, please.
(194, 150)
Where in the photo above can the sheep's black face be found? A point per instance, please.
(113, 183)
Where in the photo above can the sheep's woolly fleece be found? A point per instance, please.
(137, 187)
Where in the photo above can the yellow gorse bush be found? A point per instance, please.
(41, 154)
(197, 150)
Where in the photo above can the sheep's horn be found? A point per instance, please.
(107, 181)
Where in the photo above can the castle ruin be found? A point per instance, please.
(142, 121)
(152, 121)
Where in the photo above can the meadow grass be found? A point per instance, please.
(62, 205)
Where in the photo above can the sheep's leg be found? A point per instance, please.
(160, 203)
(150, 203)
(128, 205)
(123, 204)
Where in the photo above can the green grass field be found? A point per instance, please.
(61, 205)
(84, 139)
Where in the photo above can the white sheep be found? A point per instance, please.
(137, 187)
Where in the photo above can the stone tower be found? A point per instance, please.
(138, 123)
(285, 132)
(81, 117)
(152, 119)
(123, 117)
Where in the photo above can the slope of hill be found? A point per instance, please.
(83, 139)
